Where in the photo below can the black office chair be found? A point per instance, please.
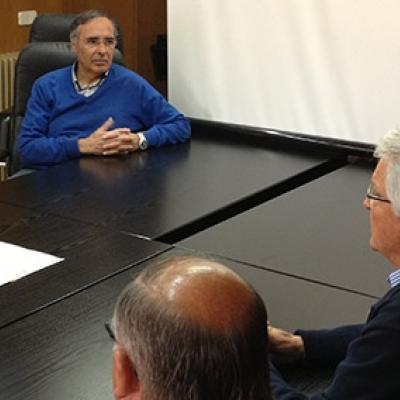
(54, 27)
(36, 59)
(4, 144)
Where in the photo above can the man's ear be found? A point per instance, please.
(125, 381)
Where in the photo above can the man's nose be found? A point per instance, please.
(366, 203)
(101, 47)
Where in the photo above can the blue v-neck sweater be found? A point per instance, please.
(57, 116)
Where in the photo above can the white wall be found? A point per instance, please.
(319, 67)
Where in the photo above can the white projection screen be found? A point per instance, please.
(326, 68)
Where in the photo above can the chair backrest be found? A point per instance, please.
(34, 60)
(51, 28)
(54, 27)
(159, 57)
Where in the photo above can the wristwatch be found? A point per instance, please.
(143, 145)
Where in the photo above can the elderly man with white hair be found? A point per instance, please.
(366, 356)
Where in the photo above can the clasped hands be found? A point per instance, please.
(106, 141)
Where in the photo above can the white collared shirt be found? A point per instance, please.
(394, 278)
(87, 90)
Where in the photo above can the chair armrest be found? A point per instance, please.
(4, 160)
(4, 132)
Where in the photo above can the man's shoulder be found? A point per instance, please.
(393, 295)
(54, 75)
(387, 307)
(122, 72)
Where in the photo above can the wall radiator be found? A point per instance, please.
(7, 71)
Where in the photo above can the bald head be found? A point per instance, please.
(195, 330)
(203, 291)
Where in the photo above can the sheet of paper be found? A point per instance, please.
(17, 261)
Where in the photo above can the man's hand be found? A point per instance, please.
(284, 346)
(128, 142)
(109, 142)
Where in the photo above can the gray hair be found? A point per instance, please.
(84, 18)
(388, 148)
(177, 358)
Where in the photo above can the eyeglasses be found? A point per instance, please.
(372, 195)
(110, 332)
(92, 42)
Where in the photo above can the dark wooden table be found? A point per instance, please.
(162, 191)
(91, 254)
(63, 352)
(318, 232)
(108, 216)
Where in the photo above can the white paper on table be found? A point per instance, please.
(17, 262)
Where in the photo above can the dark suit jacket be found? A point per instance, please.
(368, 357)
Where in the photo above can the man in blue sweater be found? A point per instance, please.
(95, 107)
(367, 356)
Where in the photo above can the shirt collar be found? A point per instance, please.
(87, 90)
(394, 278)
